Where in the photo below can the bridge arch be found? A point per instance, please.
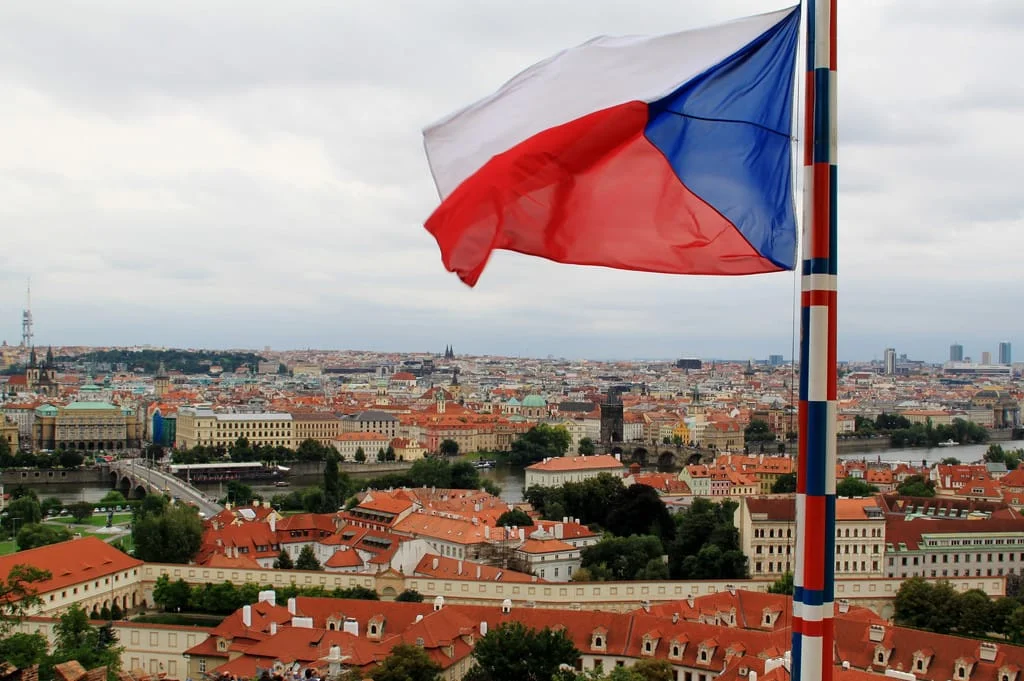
(694, 459)
(125, 486)
(639, 456)
(139, 491)
(666, 460)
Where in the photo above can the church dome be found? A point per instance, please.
(534, 401)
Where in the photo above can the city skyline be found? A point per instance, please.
(227, 197)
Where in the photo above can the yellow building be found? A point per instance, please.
(314, 425)
(9, 432)
(87, 426)
(203, 426)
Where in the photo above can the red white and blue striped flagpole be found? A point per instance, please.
(814, 576)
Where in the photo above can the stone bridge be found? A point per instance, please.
(664, 457)
(135, 479)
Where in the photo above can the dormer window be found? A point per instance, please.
(703, 655)
(675, 651)
(598, 637)
(647, 647)
(882, 655)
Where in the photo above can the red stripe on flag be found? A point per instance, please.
(594, 191)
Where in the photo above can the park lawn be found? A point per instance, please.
(96, 520)
(7, 547)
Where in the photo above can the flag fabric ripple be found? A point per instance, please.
(663, 154)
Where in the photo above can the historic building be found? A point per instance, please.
(87, 426)
(203, 426)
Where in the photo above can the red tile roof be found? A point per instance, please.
(70, 562)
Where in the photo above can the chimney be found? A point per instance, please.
(438, 603)
(273, 628)
(876, 633)
(988, 651)
(675, 618)
(350, 626)
(247, 616)
(844, 606)
(273, 523)
(418, 618)
(752, 675)
(302, 622)
(460, 569)
(731, 588)
(689, 600)
(434, 563)
(559, 531)
(483, 628)
(268, 596)
(291, 606)
(487, 531)
(565, 518)
(506, 606)
(522, 534)
(478, 568)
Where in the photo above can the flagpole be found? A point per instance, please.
(814, 576)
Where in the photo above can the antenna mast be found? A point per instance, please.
(26, 318)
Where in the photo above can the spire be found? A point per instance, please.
(161, 371)
(49, 356)
(32, 357)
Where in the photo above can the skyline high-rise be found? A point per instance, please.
(1005, 353)
(956, 352)
(890, 361)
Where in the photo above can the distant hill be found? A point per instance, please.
(186, 361)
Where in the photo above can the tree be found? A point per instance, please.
(23, 650)
(51, 506)
(449, 448)
(307, 559)
(758, 431)
(406, 662)
(18, 594)
(360, 456)
(239, 493)
(541, 441)
(514, 518)
(782, 585)
(389, 453)
(977, 612)
(113, 498)
(621, 558)
(854, 487)
(950, 461)
(37, 534)
(640, 510)
(171, 596)
(431, 472)
(512, 652)
(167, 534)
(586, 446)
(91, 646)
(916, 486)
(283, 561)
(69, 458)
(784, 484)
(380, 455)
(409, 596)
(464, 475)
(25, 509)
(315, 501)
(913, 606)
(332, 484)
(81, 510)
(653, 670)
(706, 544)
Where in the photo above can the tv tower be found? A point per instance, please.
(26, 319)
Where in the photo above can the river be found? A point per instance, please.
(511, 480)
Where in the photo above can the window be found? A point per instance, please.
(202, 665)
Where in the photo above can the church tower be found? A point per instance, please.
(440, 398)
(161, 382)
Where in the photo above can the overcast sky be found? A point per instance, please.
(251, 173)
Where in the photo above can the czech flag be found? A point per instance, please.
(661, 154)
